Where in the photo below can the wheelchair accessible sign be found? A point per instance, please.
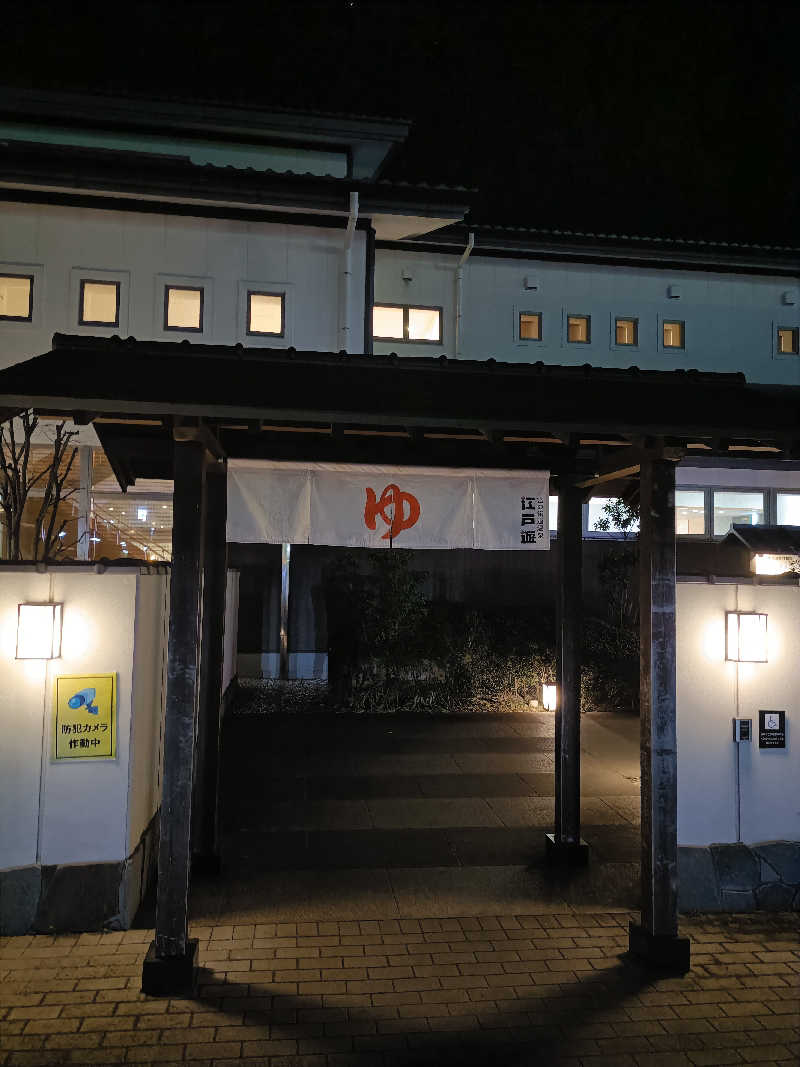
(84, 717)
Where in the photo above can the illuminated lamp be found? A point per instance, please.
(549, 697)
(39, 631)
(746, 636)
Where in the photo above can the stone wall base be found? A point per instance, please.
(762, 877)
(79, 897)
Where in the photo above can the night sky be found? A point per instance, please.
(664, 120)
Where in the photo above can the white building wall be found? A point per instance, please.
(112, 622)
(731, 320)
(59, 245)
(707, 704)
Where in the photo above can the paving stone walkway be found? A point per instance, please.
(511, 989)
(373, 817)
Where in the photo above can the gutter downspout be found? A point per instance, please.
(459, 293)
(347, 273)
(369, 289)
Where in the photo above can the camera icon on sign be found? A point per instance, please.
(84, 698)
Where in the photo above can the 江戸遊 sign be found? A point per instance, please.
(370, 506)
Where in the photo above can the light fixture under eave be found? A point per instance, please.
(39, 631)
(746, 636)
(549, 697)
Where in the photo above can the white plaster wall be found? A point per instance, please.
(769, 779)
(60, 244)
(22, 697)
(731, 320)
(229, 669)
(84, 811)
(149, 702)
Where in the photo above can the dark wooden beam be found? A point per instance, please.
(205, 803)
(565, 844)
(655, 941)
(169, 965)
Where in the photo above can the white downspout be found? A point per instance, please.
(459, 293)
(347, 273)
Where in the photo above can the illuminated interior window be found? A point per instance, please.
(552, 514)
(578, 329)
(673, 335)
(746, 509)
(690, 511)
(403, 323)
(265, 313)
(746, 636)
(387, 322)
(789, 509)
(16, 297)
(183, 308)
(530, 326)
(596, 512)
(424, 324)
(788, 340)
(627, 331)
(99, 303)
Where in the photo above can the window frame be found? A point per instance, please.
(672, 322)
(249, 313)
(578, 315)
(530, 314)
(168, 288)
(795, 334)
(20, 318)
(82, 283)
(782, 492)
(766, 496)
(615, 343)
(405, 339)
(708, 511)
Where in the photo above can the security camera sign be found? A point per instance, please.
(84, 720)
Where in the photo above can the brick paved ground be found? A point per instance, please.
(536, 989)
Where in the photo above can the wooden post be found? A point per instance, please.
(169, 965)
(566, 844)
(205, 802)
(656, 940)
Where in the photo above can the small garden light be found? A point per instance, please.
(746, 636)
(39, 631)
(549, 697)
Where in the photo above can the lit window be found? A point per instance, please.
(99, 303)
(553, 514)
(530, 326)
(746, 509)
(265, 313)
(597, 513)
(690, 511)
(424, 324)
(388, 322)
(627, 331)
(788, 340)
(183, 308)
(578, 329)
(789, 509)
(16, 297)
(391, 322)
(673, 335)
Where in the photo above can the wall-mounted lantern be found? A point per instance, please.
(746, 636)
(549, 697)
(39, 631)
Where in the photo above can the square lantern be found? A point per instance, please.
(549, 697)
(746, 636)
(39, 631)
